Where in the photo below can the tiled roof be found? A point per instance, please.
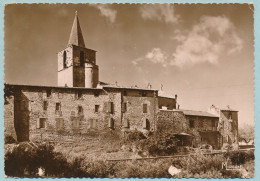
(198, 113)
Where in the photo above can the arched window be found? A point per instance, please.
(82, 58)
(64, 59)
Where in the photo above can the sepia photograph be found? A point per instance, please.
(129, 90)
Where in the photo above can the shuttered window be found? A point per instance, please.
(144, 108)
(41, 123)
(110, 107)
(146, 124)
(59, 123)
(126, 123)
(60, 95)
(75, 122)
(111, 123)
(92, 123)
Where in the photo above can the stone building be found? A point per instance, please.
(82, 105)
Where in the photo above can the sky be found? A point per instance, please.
(204, 53)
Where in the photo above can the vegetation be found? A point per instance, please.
(246, 133)
(25, 159)
(156, 143)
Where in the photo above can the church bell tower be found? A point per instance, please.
(76, 63)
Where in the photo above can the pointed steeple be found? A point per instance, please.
(76, 37)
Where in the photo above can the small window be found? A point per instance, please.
(201, 124)
(96, 108)
(126, 123)
(48, 92)
(125, 93)
(110, 107)
(82, 58)
(111, 123)
(58, 106)
(213, 124)
(125, 107)
(192, 123)
(79, 95)
(60, 95)
(230, 115)
(144, 108)
(143, 93)
(146, 124)
(96, 94)
(64, 59)
(45, 105)
(80, 110)
(75, 122)
(41, 123)
(59, 123)
(92, 123)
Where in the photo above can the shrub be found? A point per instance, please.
(9, 139)
(240, 157)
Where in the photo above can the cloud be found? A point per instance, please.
(207, 42)
(156, 56)
(159, 12)
(107, 11)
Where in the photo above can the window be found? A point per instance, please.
(75, 122)
(64, 59)
(58, 106)
(126, 123)
(144, 108)
(41, 123)
(60, 95)
(201, 124)
(96, 94)
(143, 93)
(111, 123)
(59, 123)
(213, 124)
(146, 124)
(72, 113)
(82, 58)
(48, 93)
(80, 110)
(124, 106)
(78, 95)
(192, 123)
(92, 123)
(110, 107)
(230, 115)
(45, 105)
(96, 108)
(125, 93)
